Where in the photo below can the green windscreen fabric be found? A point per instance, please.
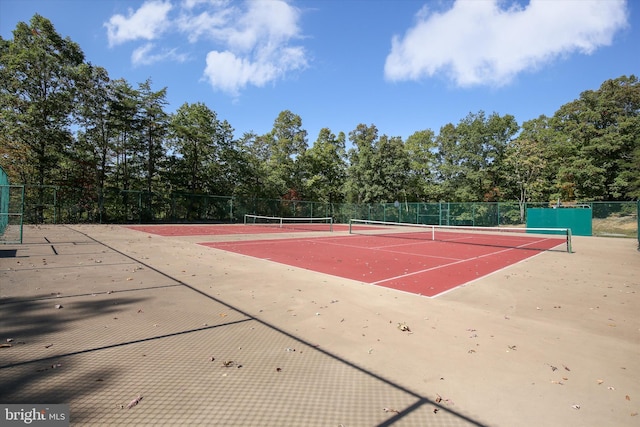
(4, 201)
(577, 219)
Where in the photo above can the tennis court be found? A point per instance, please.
(253, 224)
(408, 259)
(222, 229)
(96, 316)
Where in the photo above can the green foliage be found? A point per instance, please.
(38, 71)
(421, 149)
(599, 134)
(287, 144)
(326, 168)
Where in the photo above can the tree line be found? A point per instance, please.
(65, 122)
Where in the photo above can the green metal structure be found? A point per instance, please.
(11, 208)
(64, 205)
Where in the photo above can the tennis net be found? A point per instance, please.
(540, 239)
(295, 223)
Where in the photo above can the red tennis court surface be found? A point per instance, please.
(425, 267)
(226, 229)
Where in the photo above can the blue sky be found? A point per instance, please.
(401, 65)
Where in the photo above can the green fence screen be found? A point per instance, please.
(11, 205)
(4, 201)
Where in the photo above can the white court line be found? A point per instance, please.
(446, 265)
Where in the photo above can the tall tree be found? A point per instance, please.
(526, 163)
(94, 136)
(206, 159)
(361, 164)
(390, 171)
(449, 173)
(600, 133)
(287, 142)
(483, 141)
(38, 71)
(228, 168)
(154, 122)
(326, 166)
(420, 147)
(252, 156)
(193, 131)
(124, 121)
(379, 167)
(470, 155)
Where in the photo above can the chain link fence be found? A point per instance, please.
(51, 204)
(11, 207)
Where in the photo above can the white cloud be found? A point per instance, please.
(212, 24)
(147, 23)
(146, 55)
(257, 44)
(253, 41)
(190, 4)
(480, 42)
(230, 73)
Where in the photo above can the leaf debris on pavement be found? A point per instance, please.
(404, 327)
(134, 402)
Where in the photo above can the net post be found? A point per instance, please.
(245, 219)
(350, 223)
(331, 224)
(569, 248)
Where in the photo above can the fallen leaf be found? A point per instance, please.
(134, 402)
(627, 397)
(403, 327)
